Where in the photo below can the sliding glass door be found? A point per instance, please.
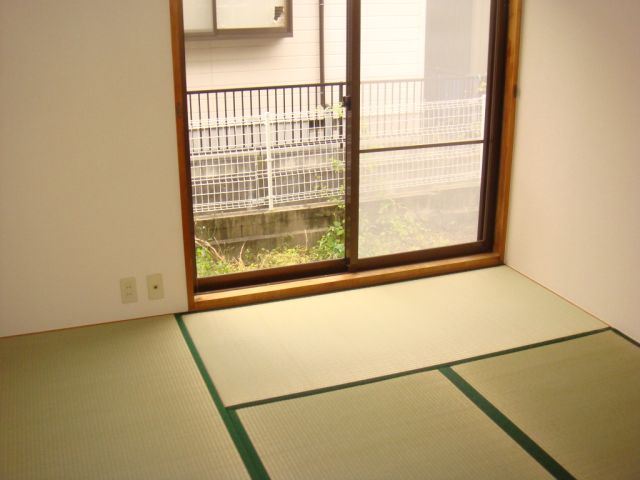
(421, 164)
(364, 134)
(267, 135)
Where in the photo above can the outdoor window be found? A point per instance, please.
(237, 17)
(369, 138)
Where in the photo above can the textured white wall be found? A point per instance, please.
(88, 166)
(574, 222)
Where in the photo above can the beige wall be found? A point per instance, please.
(88, 170)
(574, 221)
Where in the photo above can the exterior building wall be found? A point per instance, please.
(214, 63)
(392, 44)
(458, 38)
(393, 39)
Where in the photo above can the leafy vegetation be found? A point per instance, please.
(214, 261)
(392, 227)
(389, 227)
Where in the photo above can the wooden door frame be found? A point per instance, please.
(182, 136)
(427, 265)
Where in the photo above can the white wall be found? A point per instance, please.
(88, 170)
(574, 216)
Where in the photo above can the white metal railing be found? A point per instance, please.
(275, 159)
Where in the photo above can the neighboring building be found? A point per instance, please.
(400, 40)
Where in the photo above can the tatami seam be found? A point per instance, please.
(507, 426)
(381, 378)
(236, 430)
(256, 468)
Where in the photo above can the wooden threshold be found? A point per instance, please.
(342, 281)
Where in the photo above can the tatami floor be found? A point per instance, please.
(478, 375)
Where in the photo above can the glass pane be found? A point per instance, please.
(197, 16)
(267, 145)
(424, 71)
(424, 75)
(418, 199)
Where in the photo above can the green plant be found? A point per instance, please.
(279, 257)
(207, 266)
(386, 227)
(338, 111)
(331, 244)
(393, 227)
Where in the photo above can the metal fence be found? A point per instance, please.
(265, 147)
(267, 161)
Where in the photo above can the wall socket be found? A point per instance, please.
(128, 290)
(155, 289)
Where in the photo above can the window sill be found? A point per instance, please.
(343, 281)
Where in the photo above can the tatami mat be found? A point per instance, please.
(579, 400)
(280, 348)
(116, 401)
(414, 427)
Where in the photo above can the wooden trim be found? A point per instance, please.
(343, 281)
(180, 98)
(275, 274)
(508, 125)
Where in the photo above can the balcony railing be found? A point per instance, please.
(266, 147)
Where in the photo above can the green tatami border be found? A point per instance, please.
(230, 418)
(390, 376)
(626, 337)
(510, 428)
(256, 468)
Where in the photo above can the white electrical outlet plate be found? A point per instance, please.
(155, 288)
(128, 290)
